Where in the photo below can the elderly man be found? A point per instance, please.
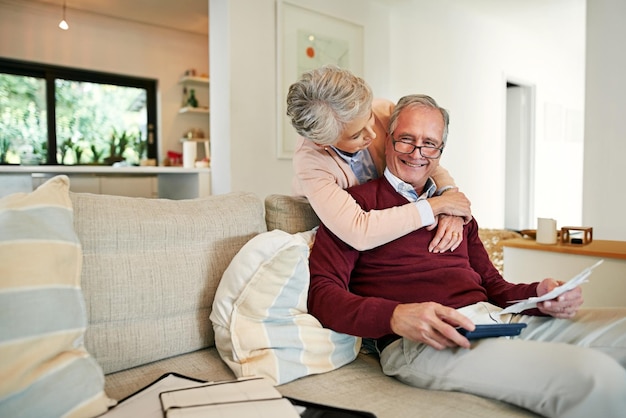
(567, 362)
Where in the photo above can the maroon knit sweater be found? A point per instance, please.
(356, 292)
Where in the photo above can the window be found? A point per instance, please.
(55, 115)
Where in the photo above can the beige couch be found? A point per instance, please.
(150, 271)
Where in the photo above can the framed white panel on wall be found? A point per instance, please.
(308, 39)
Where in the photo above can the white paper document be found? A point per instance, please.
(556, 292)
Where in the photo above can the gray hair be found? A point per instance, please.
(325, 100)
(413, 100)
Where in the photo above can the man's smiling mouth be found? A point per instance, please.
(414, 165)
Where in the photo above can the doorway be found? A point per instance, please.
(519, 157)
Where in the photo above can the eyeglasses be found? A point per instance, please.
(426, 151)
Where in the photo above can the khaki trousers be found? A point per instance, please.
(556, 368)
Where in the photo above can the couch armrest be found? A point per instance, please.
(492, 240)
(289, 213)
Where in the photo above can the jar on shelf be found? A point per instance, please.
(191, 100)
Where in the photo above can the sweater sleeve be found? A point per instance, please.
(361, 229)
(499, 291)
(330, 300)
(443, 179)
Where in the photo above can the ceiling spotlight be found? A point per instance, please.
(63, 23)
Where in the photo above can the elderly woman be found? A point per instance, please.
(343, 132)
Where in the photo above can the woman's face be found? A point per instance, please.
(358, 134)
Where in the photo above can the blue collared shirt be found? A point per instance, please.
(408, 191)
(361, 164)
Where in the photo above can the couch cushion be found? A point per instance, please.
(289, 213)
(151, 268)
(358, 385)
(202, 364)
(260, 313)
(362, 385)
(45, 368)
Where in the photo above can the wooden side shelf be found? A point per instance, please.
(525, 261)
(596, 248)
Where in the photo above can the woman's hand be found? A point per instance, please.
(449, 234)
(452, 202)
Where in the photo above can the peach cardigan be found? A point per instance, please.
(321, 175)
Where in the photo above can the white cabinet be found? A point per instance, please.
(119, 185)
(78, 183)
(132, 186)
(150, 182)
(526, 261)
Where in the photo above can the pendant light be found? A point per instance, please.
(63, 23)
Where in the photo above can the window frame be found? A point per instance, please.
(50, 73)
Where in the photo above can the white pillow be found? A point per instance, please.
(260, 317)
(45, 368)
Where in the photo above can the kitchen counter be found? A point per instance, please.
(170, 182)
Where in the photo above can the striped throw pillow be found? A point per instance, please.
(44, 368)
(260, 317)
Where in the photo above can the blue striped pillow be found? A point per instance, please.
(45, 368)
(260, 316)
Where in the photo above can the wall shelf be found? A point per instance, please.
(194, 80)
(188, 109)
(201, 87)
(194, 139)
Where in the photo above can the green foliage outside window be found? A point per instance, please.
(96, 122)
(99, 123)
(23, 116)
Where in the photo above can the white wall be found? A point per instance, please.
(244, 86)
(28, 31)
(461, 52)
(605, 128)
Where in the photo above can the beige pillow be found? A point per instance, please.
(260, 314)
(151, 268)
(45, 368)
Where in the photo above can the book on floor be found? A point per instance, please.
(177, 396)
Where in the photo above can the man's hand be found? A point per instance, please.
(431, 323)
(565, 306)
(449, 234)
(451, 202)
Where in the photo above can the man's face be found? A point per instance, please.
(417, 125)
